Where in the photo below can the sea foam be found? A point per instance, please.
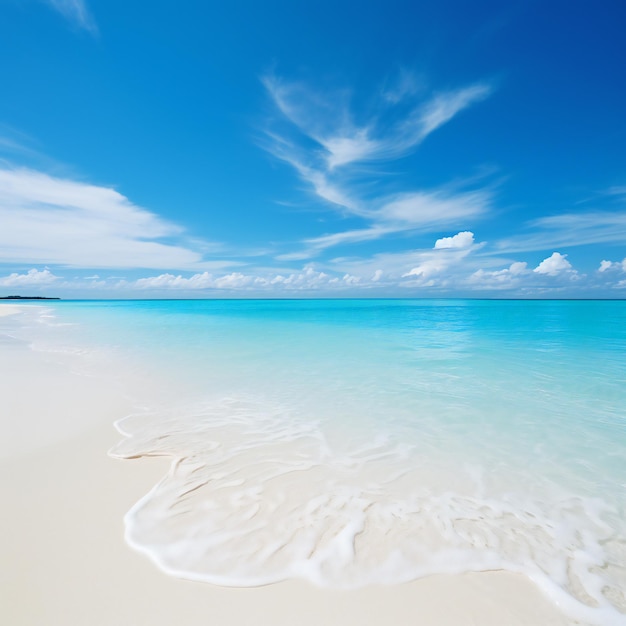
(256, 495)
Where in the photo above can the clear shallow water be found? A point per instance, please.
(354, 442)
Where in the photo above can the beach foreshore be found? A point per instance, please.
(8, 309)
(65, 561)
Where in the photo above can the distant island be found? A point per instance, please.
(26, 298)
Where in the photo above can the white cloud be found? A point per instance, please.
(334, 143)
(436, 263)
(460, 240)
(423, 211)
(75, 11)
(443, 107)
(31, 278)
(507, 278)
(396, 269)
(325, 121)
(517, 268)
(432, 270)
(612, 265)
(349, 279)
(441, 259)
(567, 230)
(329, 191)
(58, 221)
(168, 281)
(464, 270)
(344, 150)
(430, 266)
(307, 279)
(405, 85)
(433, 207)
(233, 280)
(328, 121)
(554, 265)
(349, 236)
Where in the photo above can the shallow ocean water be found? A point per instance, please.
(376, 441)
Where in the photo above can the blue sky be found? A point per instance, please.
(292, 149)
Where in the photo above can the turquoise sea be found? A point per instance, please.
(351, 442)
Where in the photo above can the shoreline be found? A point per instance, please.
(66, 561)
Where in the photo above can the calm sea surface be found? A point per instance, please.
(351, 442)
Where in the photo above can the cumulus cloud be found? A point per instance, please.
(170, 281)
(429, 270)
(432, 270)
(31, 278)
(612, 265)
(461, 240)
(429, 267)
(517, 268)
(506, 278)
(309, 278)
(235, 280)
(447, 253)
(53, 220)
(76, 12)
(349, 279)
(554, 265)
(422, 267)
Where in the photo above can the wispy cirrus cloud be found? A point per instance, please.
(567, 230)
(606, 224)
(56, 221)
(328, 121)
(406, 212)
(330, 148)
(404, 85)
(76, 12)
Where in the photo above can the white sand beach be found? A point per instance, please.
(7, 309)
(62, 549)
